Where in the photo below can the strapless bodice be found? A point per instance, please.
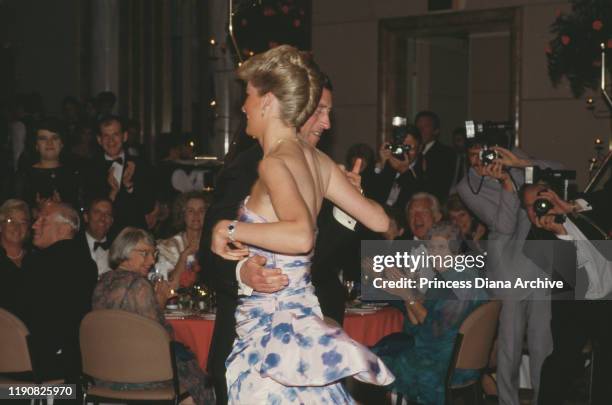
(296, 267)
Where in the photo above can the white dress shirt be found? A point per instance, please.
(597, 267)
(100, 256)
(117, 168)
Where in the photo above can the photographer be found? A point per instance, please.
(489, 190)
(583, 313)
(399, 175)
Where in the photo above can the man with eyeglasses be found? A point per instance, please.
(55, 292)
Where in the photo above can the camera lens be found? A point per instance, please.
(487, 156)
(541, 206)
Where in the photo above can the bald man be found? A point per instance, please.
(58, 282)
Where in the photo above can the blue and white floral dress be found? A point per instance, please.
(285, 353)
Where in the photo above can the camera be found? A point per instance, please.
(397, 147)
(488, 134)
(541, 206)
(558, 181)
(487, 156)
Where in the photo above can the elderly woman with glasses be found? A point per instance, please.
(420, 355)
(14, 231)
(127, 288)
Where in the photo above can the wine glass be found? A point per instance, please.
(349, 285)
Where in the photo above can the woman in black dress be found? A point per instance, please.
(49, 178)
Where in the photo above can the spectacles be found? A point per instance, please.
(144, 253)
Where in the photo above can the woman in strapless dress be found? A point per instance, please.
(284, 352)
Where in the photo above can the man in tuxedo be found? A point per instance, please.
(122, 178)
(230, 279)
(398, 178)
(98, 218)
(581, 312)
(57, 285)
(438, 160)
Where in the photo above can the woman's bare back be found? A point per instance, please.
(307, 173)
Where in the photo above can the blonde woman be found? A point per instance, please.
(177, 255)
(284, 352)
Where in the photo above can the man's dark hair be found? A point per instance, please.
(326, 82)
(431, 115)
(414, 132)
(107, 120)
(96, 200)
(107, 97)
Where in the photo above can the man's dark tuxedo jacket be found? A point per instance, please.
(55, 294)
(440, 169)
(233, 184)
(129, 209)
(409, 184)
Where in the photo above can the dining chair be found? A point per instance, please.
(126, 348)
(472, 348)
(16, 365)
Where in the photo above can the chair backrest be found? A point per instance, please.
(14, 351)
(477, 332)
(125, 347)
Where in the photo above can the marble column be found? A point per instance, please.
(227, 89)
(105, 46)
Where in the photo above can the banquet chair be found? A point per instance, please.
(472, 348)
(127, 348)
(16, 365)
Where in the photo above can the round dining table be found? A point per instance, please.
(366, 327)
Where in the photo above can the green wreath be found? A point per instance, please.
(575, 51)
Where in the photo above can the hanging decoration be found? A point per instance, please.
(575, 50)
(256, 26)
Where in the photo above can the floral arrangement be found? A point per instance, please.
(575, 51)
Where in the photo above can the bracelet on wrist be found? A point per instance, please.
(231, 230)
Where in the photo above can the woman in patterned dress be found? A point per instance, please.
(126, 288)
(284, 352)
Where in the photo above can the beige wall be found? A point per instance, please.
(345, 43)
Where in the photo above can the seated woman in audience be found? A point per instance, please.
(472, 230)
(177, 255)
(420, 355)
(126, 288)
(49, 178)
(14, 230)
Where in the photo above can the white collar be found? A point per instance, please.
(121, 155)
(428, 146)
(91, 240)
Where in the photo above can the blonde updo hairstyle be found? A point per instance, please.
(291, 76)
